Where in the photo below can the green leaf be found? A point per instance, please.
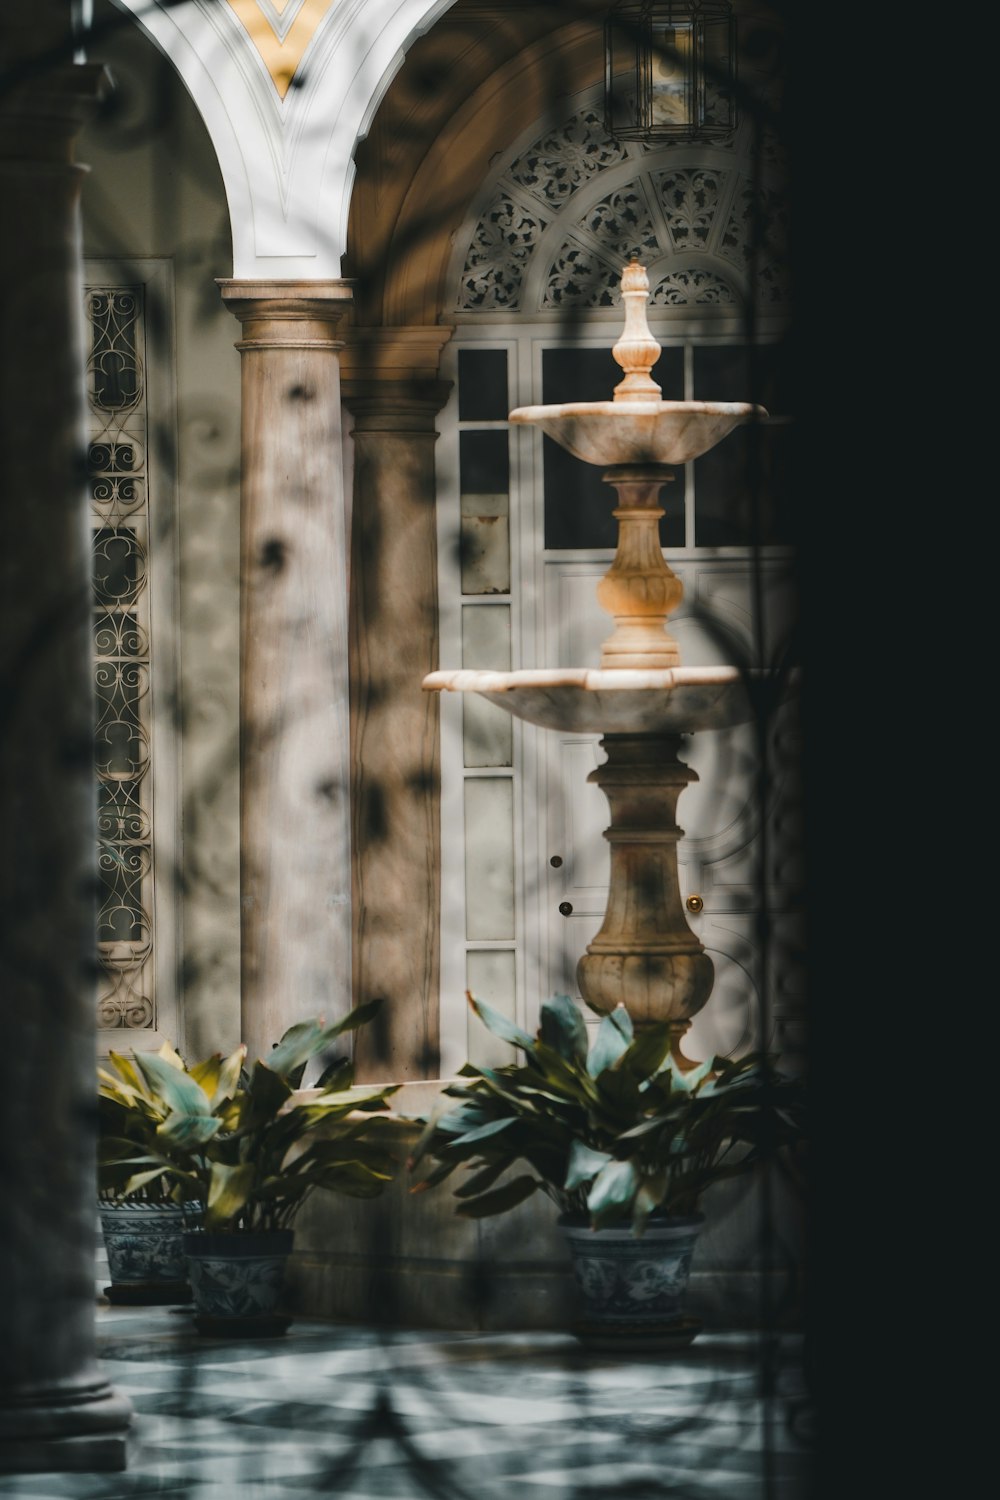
(228, 1081)
(228, 1193)
(469, 1117)
(657, 1122)
(689, 1080)
(566, 1076)
(584, 1164)
(141, 1180)
(494, 1021)
(353, 1179)
(113, 1148)
(306, 1039)
(359, 1016)
(329, 1109)
(563, 1027)
(339, 1074)
(127, 1094)
(267, 1091)
(178, 1090)
(483, 1131)
(206, 1074)
(441, 1171)
(328, 1154)
(612, 1040)
(510, 1091)
(613, 1192)
(424, 1139)
(649, 1197)
(187, 1132)
(498, 1202)
(648, 1049)
(172, 1056)
(126, 1069)
(481, 1180)
(297, 1046)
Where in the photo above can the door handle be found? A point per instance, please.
(694, 903)
(566, 907)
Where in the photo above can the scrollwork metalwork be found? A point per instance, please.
(577, 275)
(116, 458)
(560, 161)
(693, 285)
(698, 204)
(501, 246)
(689, 197)
(114, 367)
(623, 225)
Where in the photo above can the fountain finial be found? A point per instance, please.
(636, 351)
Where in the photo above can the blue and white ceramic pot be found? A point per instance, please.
(238, 1280)
(144, 1244)
(632, 1288)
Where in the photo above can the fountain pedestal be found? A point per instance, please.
(645, 955)
(639, 589)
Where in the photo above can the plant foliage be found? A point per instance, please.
(612, 1132)
(248, 1143)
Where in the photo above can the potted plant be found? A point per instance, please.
(142, 1225)
(253, 1146)
(625, 1142)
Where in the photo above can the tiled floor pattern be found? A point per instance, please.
(364, 1414)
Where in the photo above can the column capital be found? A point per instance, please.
(298, 313)
(393, 373)
(43, 111)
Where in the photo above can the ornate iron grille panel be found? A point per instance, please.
(682, 208)
(120, 524)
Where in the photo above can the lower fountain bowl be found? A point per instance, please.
(619, 700)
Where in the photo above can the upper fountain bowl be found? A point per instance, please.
(639, 431)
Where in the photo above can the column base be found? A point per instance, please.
(93, 1454)
(59, 1433)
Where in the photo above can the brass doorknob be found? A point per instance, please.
(566, 907)
(694, 903)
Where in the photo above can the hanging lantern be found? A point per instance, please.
(670, 71)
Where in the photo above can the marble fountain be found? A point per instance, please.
(640, 699)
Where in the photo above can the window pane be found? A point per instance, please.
(489, 859)
(490, 978)
(485, 544)
(484, 465)
(578, 504)
(482, 385)
(487, 731)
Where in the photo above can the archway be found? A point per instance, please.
(470, 236)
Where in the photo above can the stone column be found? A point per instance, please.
(294, 768)
(392, 390)
(57, 1412)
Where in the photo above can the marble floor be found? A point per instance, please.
(370, 1414)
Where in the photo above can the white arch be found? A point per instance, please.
(287, 164)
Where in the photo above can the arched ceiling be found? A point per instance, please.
(465, 88)
(446, 219)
